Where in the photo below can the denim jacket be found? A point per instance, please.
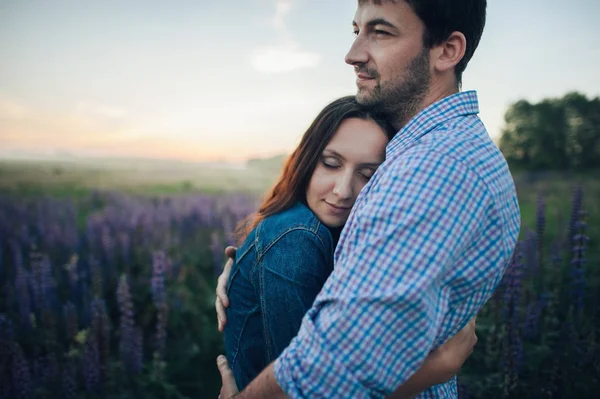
(279, 270)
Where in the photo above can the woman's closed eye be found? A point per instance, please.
(366, 173)
(331, 163)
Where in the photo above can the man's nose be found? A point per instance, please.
(358, 53)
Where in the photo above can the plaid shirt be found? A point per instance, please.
(425, 245)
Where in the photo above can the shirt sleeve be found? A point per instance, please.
(288, 278)
(381, 310)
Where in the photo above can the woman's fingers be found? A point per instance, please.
(222, 283)
(221, 321)
(229, 387)
(222, 300)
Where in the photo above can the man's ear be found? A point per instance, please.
(446, 55)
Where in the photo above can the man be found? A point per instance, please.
(430, 235)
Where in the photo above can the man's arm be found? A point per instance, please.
(440, 366)
(264, 386)
(386, 305)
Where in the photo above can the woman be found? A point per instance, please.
(287, 248)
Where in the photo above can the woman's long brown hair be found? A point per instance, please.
(300, 165)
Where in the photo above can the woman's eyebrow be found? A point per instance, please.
(334, 153)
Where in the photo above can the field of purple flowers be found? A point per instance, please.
(111, 295)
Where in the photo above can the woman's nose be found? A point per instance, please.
(343, 187)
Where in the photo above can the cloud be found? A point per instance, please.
(102, 111)
(282, 8)
(286, 57)
(281, 59)
(11, 110)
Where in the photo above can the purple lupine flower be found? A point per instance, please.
(69, 380)
(91, 364)
(137, 351)
(1, 258)
(125, 247)
(70, 317)
(101, 330)
(23, 298)
(576, 205)
(579, 242)
(37, 368)
(7, 332)
(108, 246)
(73, 274)
(50, 371)
(513, 348)
(46, 281)
(127, 324)
(578, 261)
(533, 315)
(35, 278)
(159, 263)
(6, 350)
(20, 374)
(512, 282)
(540, 228)
(96, 273)
(529, 251)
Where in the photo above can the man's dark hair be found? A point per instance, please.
(442, 17)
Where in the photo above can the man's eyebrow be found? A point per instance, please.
(377, 21)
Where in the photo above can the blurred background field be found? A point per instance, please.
(108, 276)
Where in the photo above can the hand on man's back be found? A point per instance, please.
(222, 301)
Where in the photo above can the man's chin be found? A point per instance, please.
(366, 98)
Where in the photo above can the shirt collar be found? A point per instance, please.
(459, 104)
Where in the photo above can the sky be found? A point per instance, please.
(230, 80)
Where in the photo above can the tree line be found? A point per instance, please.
(553, 134)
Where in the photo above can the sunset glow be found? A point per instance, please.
(227, 81)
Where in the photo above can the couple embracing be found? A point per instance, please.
(390, 227)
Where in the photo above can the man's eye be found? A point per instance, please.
(381, 32)
(355, 32)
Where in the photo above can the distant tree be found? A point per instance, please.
(561, 133)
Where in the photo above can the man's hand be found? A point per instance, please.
(229, 388)
(222, 300)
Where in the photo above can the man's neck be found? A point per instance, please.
(437, 91)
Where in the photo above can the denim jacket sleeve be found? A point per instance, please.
(288, 278)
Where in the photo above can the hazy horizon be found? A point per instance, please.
(228, 81)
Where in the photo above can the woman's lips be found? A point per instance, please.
(338, 210)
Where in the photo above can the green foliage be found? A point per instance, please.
(554, 134)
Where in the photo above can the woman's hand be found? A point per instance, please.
(222, 300)
(229, 388)
(442, 364)
(450, 357)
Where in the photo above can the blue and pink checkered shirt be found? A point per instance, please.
(426, 244)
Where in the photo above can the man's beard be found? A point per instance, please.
(399, 99)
